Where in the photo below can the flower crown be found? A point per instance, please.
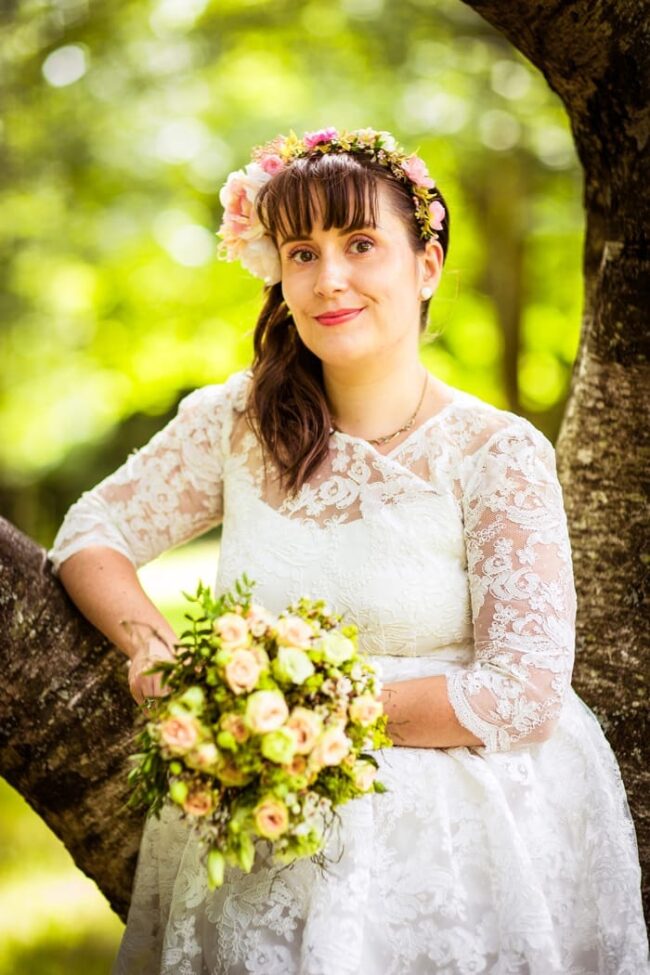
(243, 236)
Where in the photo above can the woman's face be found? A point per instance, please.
(372, 275)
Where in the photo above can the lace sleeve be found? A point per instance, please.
(521, 589)
(165, 493)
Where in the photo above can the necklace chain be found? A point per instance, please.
(407, 426)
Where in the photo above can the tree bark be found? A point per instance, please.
(66, 719)
(596, 56)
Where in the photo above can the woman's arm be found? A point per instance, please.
(523, 606)
(168, 491)
(104, 585)
(420, 715)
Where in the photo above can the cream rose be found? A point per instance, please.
(305, 726)
(180, 734)
(266, 711)
(336, 647)
(365, 709)
(364, 774)
(242, 671)
(332, 746)
(292, 631)
(271, 817)
(198, 803)
(292, 664)
(204, 756)
(233, 630)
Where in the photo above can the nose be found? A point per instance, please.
(331, 276)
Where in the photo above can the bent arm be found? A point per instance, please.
(421, 716)
(103, 584)
(523, 609)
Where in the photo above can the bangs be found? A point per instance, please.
(333, 188)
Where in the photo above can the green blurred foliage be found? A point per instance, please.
(53, 919)
(120, 123)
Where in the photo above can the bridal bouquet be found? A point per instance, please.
(263, 729)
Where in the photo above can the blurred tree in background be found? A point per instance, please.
(121, 121)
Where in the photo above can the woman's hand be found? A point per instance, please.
(141, 684)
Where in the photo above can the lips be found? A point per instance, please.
(336, 317)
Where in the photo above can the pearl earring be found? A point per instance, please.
(425, 293)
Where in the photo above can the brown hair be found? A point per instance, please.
(287, 407)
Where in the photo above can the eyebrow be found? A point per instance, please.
(342, 232)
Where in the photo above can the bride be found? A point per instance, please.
(339, 467)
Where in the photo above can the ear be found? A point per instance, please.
(431, 260)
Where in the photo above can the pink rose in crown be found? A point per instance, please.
(271, 164)
(438, 214)
(322, 135)
(237, 197)
(417, 172)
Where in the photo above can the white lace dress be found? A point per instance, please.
(451, 553)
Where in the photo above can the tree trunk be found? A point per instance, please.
(66, 719)
(596, 56)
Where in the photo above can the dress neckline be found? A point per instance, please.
(455, 395)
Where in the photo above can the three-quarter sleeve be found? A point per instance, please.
(522, 594)
(167, 492)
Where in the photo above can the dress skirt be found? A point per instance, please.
(503, 863)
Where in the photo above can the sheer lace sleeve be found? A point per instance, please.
(165, 493)
(522, 593)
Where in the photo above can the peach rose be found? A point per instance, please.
(331, 748)
(198, 803)
(305, 726)
(242, 671)
(180, 734)
(266, 711)
(233, 630)
(365, 709)
(271, 817)
(235, 725)
(258, 618)
(292, 631)
(297, 765)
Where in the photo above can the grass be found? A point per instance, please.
(53, 919)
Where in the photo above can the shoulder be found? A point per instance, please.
(493, 441)
(485, 424)
(216, 399)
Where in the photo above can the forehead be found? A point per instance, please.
(342, 212)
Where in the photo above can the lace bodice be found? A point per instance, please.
(453, 545)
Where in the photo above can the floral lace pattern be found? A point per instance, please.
(451, 553)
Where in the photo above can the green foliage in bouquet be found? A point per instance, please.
(263, 729)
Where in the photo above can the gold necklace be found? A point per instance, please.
(407, 425)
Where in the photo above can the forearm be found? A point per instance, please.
(420, 715)
(104, 585)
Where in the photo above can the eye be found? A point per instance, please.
(363, 244)
(298, 254)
